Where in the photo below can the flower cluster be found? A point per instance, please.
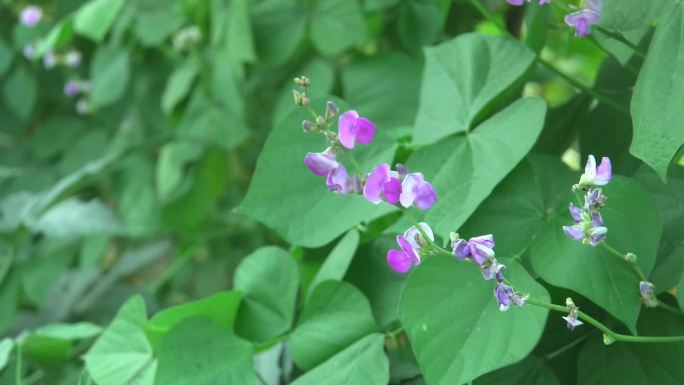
(583, 19)
(411, 244)
(573, 314)
(588, 223)
(382, 183)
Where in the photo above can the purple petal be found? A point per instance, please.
(595, 5)
(604, 172)
(502, 297)
(542, 2)
(398, 261)
(320, 163)
(425, 196)
(365, 130)
(480, 253)
(575, 232)
(375, 182)
(596, 219)
(338, 180)
(572, 322)
(460, 248)
(515, 2)
(392, 190)
(582, 20)
(485, 240)
(576, 213)
(347, 128)
(408, 249)
(414, 237)
(31, 15)
(590, 167)
(597, 234)
(408, 189)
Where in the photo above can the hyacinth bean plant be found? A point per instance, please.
(484, 192)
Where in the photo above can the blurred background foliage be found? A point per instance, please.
(129, 186)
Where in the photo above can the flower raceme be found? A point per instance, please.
(395, 187)
(588, 223)
(596, 176)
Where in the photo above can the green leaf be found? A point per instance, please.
(643, 364)
(336, 25)
(138, 203)
(84, 148)
(322, 74)
(178, 85)
(658, 96)
(336, 315)
(461, 79)
(173, 158)
(633, 226)
(122, 355)
(94, 19)
(269, 280)
(54, 136)
(6, 56)
(69, 332)
(75, 218)
(59, 36)
(6, 346)
(420, 22)
(239, 41)
(200, 352)
(313, 216)
(625, 15)
(109, 72)
(453, 320)
(530, 371)
(279, 27)
(390, 102)
(337, 263)
(222, 308)
(19, 91)
(364, 362)
(156, 20)
(464, 169)
(680, 289)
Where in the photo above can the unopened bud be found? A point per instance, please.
(569, 303)
(307, 126)
(302, 81)
(608, 340)
(631, 257)
(331, 136)
(454, 237)
(297, 97)
(320, 122)
(331, 110)
(305, 101)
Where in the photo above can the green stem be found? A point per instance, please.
(607, 331)
(621, 257)
(417, 225)
(395, 332)
(354, 163)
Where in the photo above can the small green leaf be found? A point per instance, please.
(222, 308)
(269, 280)
(122, 355)
(453, 320)
(69, 332)
(337, 263)
(19, 90)
(75, 218)
(199, 351)
(54, 136)
(156, 20)
(94, 19)
(279, 27)
(239, 41)
(461, 78)
(178, 85)
(336, 25)
(172, 162)
(60, 35)
(658, 96)
(109, 72)
(363, 362)
(336, 315)
(6, 346)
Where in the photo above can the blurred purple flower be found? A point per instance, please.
(594, 199)
(491, 269)
(415, 238)
(72, 88)
(338, 180)
(73, 59)
(402, 260)
(573, 314)
(506, 295)
(596, 176)
(382, 182)
(478, 248)
(49, 60)
(582, 21)
(29, 52)
(353, 128)
(31, 15)
(321, 163)
(416, 191)
(82, 107)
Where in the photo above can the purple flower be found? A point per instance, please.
(506, 295)
(595, 5)
(321, 163)
(479, 248)
(576, 213)
(416, 191)
(49, 60)
(382, 182)
(582, 20)
(647, 290)
(415, 238)
(597, 235)
(31, 15)
(402, 260)
(353, 128)
(594, 199)
(338, 180)
(573, 313)
(73, 59)
(515, 2)
(596, 176)
(491, 269)
(72, 88)
(576, 231)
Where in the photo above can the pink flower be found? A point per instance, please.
(353, 128)
(402, 260)
(30, 16)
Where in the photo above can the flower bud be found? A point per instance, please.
(320, 122)
(308, 126)
(608, 340)
(331, 110)
(302, 81)
(631, 257)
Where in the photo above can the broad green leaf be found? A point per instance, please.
(69, 332)
(621, 52)
(269, 280)
(313, 216)
(658, 95)
(530, 371)
(562, 124)
(173, 159)
(336, 25)
(200, 352)
(383, 88)
(122, 355)
(6, 346)
(19, 91)
(55, 136)
(60, 35)
(336, 315)
(6, 56)
(156, 20)
(537, 23)
(633, 226)
(337, 262)
(46, 351)
(94, 19)
(83, 149)
(222, 308)
(453, 320)
(625, 15)
(178, 85)
(375, 5)
(75, 218)
(109, 72)
(363, 362)
(138, 205)
(239, 41)
(680, 289)
(636, 363)
(461, 78)
(420, 22)
(279, 27)
(464, 169)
